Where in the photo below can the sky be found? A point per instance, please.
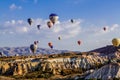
(90, 17)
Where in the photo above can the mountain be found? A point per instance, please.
(109, 49)
(12, 51)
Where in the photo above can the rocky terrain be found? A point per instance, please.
(102, 63)
(110, 71)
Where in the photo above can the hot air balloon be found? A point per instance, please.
(49, 24)
(53, 18)
(104, 28)
(38, 26)
(116, 42)
(37, 42)
(50, 45)
(33, 47)
(72, 20)
(79, 42)
(30, 21)
(59, 38)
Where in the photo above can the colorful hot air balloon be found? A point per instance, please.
(38, 26)
(53, 18)
(33, 47)
(50, 45)
(37, 42)
(116, 42)
(49, 24)
(59, 38)
(72, 20)
(30, 21)
(104, 28)
(79, 42)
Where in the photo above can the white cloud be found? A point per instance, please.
(98, 30)
(20, 21)
(102, 37)
(22, 30)
(14, 26)
(114, 27)
(13, 22)
(57, 29)
(67, 29)
(14, 7)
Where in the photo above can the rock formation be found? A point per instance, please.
(106, 72)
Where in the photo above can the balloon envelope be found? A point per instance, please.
(50, 45)
(38, 26)
(116, 42)
(53, 18)
(79, 42)
(59, 38)
(72, 21)
(49, 24)
(33, 48)
(30, 21)
(104, 28)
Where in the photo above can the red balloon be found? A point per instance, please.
(50, 45)
(79, 42)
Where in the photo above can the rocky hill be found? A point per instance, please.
(110, 71)
(97, 64)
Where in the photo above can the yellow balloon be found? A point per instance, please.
(116, 42)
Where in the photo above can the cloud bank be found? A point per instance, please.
(15, 7)
(91, 37)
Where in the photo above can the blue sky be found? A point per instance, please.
(90, 17)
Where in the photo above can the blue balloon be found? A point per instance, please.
(51, 47)
(53, 18)
(53, 14)
(29, 21)
(38, 26)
